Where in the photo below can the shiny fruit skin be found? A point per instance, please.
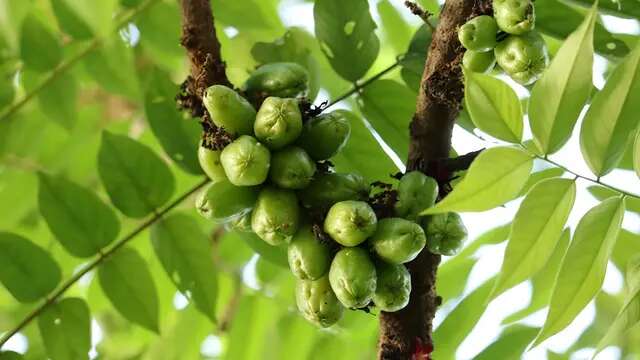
(278, 122)
(246, 162)
(291, 168)
(309, 258)
(229, 110)
(276, 216)
(353, 277)
(397, 240)
(350, 222)
(317, 302)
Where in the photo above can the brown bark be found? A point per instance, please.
(407, 334)
(201, 42)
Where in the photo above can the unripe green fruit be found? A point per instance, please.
(446, 233)
(416, 192)
(291, 168)
(240, 223)
(245, 161)
(324, 136)
(276, 215)
(523, 57)
(397, 240)
(353, 277)
(210, 163)
(283, 79)
(479, 33)
(393, 287)
(480, 62)
(222, 201)
(278, 122)
(309, 259)
(229, 110)
(317, 302)
(514, 16)
(328, 189)
(350, 222)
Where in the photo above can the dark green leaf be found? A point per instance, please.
(65, 328)
(81, 222)
(127, 283)
(39, 48)
(275, 254)
(389, 106)
(160, 34)
(361, 148)
(185, 254)
(397, 31)
(69, 20)
(10, 355)
(136, 179)
(58, 99)
(112, 67)
(345, 30)
(179, 136)
(623, 8)
(415, 57)
(557, 19)
(28, 271)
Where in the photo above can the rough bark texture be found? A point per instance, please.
(202, 45)
(407, 334)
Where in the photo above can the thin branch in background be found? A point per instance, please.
(53, 297)
(70, 62)
(422, 13)
(225, 320)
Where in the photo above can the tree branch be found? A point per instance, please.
(201, 42)
(407, 334)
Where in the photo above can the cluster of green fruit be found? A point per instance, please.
(507, 38)
(274, 180)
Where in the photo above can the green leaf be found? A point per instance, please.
(535, 231)
(160, 34)
(627, 246)
(28, 271)
(361, 147)
(397, 31)
(538, 176)
(185, 254)
(496, 176)
(601, 193)
(10, 355)
(541, 292)
(414, 59)
(40, 50)
(584, 266)
(558, 19)
(179, 136)
(81, 222)
(510, 345)
(389, 106)
(629, 315)
(493, 106)
(136, 179)
(65, 328)
(70, 22)
(611, 120)
(347, 36)
(275, 254)
(127, 283)
(57, 100)
(622, 8)
(559, 96)
(459, 322)
(112, 67)
(636, 155)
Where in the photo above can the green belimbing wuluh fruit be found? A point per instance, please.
(479, 33)
(324, 136)
(397, 240)
(284, 79)
(210, 163)
(245, 161)
(229, 110)
(317, 302)
(291, 168)
(416, 192)
(309, 258)
(393, 287)
(276, 216)
(278, 122)
(446, 233)
(350, 222)
(330, 188)
(353, 277)
(514, 16)
(523, 57)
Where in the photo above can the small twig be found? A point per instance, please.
(232, 306)
(461, 162)
(422, 13)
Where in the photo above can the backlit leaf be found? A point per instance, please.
(65, 328)
(39, 48)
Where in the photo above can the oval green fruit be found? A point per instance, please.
(223, 201)
(523, 57)
(416, 192)
(282, 79)
(278, 122)
(446, 233)
(229, 110)
(514, 16)
(291, 168)
(393, 287)
(240, 223)
(210, 163)
(480, 62)
(328, 189)
(276, 217)
(317, 302)
(309, 258)
(353, 277)
(479, 33)
(350, 222)
(245, 161)
(397, 240)
(324, 136)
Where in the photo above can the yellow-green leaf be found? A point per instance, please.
(493, 106)
(536, 229)
(583, 267)
(612, 117)
(636, 155)
(496, 176)
(559, 96)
